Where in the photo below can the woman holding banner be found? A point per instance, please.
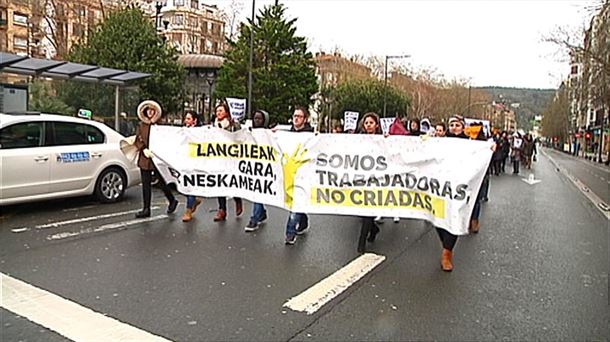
(368, 231)
(260, 119)
(149, 112)
(456, 130)
(225, 121)
(190, 119)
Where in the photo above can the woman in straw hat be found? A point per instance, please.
(149, 112)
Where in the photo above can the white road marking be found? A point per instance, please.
(324, 291)
(110, 226)
(80, 208)
(64, 316)
(78, 220)
(19, 230)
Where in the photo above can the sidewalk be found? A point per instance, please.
(586, 157)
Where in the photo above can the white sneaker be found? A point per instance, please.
(396, 219)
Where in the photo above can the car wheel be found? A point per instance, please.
(110, 186)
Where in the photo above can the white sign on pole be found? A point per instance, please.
(350, 120)
(237, 107)
(385, 124)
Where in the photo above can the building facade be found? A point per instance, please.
(191, 26)
(333, 69)
(589, 90)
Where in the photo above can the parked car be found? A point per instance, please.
(45, 156)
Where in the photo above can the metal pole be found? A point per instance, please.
(601, 126)
(250, 65)
(469, 89)
(116, 108)
(385, 86)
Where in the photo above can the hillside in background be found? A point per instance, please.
(532, 102)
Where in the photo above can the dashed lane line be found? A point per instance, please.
(78, 220)
(312, 299)
(106, 227)
(67, 318)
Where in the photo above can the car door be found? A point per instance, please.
(77, 156)
(24, 161)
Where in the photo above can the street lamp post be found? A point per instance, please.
(385, 80)
(250, 63)
(210, 78)
(158, 5)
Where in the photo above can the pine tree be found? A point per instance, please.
(283, 71)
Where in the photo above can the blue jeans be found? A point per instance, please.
(476, 212)
(190, 200)
(258, 212)
(296, 219)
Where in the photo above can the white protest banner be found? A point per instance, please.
(237, 107)
(350, 120)
(385, 124)
(435, 179)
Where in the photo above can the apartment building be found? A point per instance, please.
(333, 69)
(191, 26)
(589, 89)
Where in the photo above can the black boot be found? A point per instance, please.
(143, 213)
(373, 233)
(172, 206)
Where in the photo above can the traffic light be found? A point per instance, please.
(587, 135)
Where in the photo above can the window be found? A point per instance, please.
(204, 27)
(20, 19)
(195, 4)
(21, 135)
(20, 42)
(77, 29)
(178, 3)
(70, 133)
(178, 19)
(574, 70)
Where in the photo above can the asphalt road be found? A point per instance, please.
(538, 270)
(595, 176)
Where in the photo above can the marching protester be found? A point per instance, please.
(456, 130)
(440, 130)
(482, 194)
(528, 151)
(496, 158)
(190, 119)
(504, 150)
(414, 127)
(515, 151)
(225, 121)
(298, 223)
(370, 124)
(149, 112)
(260, 119)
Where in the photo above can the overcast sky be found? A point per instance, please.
(489, 42)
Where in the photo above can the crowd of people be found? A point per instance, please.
(519, 147)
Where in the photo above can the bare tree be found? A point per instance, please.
(230, 15)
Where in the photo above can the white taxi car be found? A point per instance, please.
(44, 156)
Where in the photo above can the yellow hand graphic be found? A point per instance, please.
(290, 166)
